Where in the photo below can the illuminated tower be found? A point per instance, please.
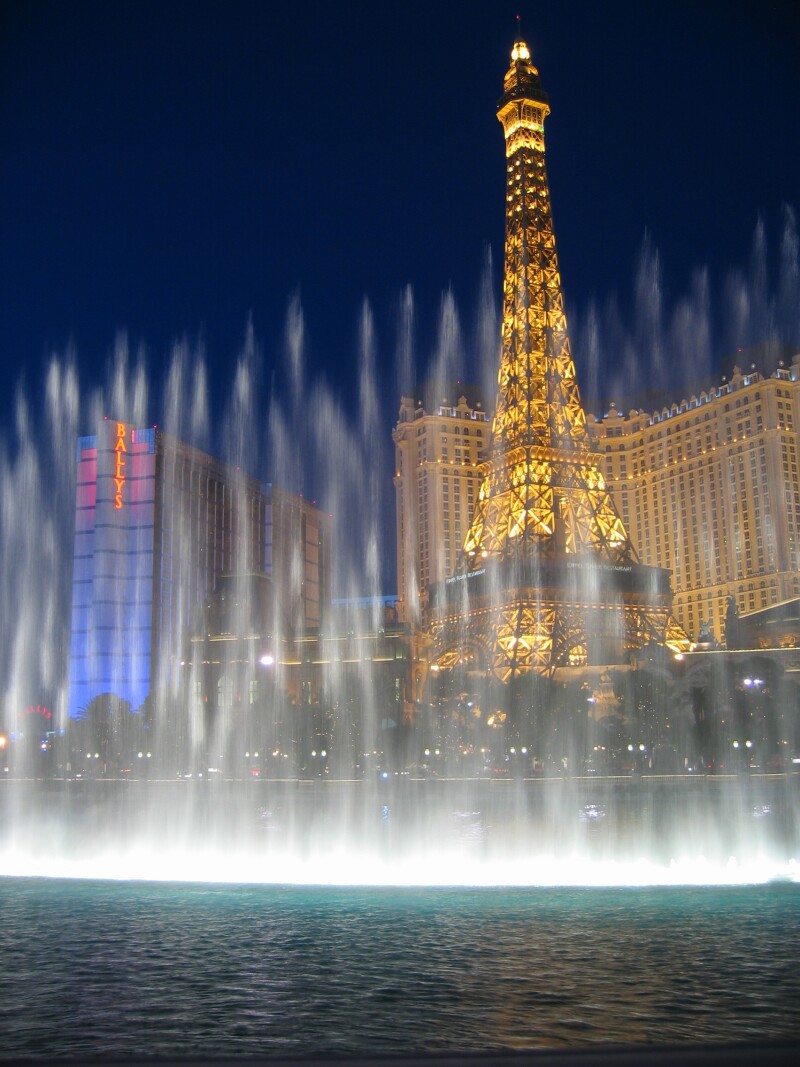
(551, 577)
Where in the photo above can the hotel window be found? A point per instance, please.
(225, 692)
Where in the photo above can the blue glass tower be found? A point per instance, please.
(113, 566)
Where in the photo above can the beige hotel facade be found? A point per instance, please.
(707, 488)
(441, 439)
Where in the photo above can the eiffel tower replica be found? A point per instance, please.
(550, 579)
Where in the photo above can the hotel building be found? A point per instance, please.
(708, 489)
(440, 441)
(158, 524)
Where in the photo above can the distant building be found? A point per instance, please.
(278, 700)
(158, 525)
(708, 488)
(440, 441)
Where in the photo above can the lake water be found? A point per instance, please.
(121, 969)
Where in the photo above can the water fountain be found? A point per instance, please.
(372, 793)
(378, 820)
(396, 824)
(183, 917)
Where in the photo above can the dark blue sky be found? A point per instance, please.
(173, 168)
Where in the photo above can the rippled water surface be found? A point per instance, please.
(120, 969)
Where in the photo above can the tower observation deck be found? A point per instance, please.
(550, 576)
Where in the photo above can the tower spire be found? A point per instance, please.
(542, 486)
(551, 579)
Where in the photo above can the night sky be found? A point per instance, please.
(178, 169)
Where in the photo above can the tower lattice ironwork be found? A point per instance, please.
(551, 576)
